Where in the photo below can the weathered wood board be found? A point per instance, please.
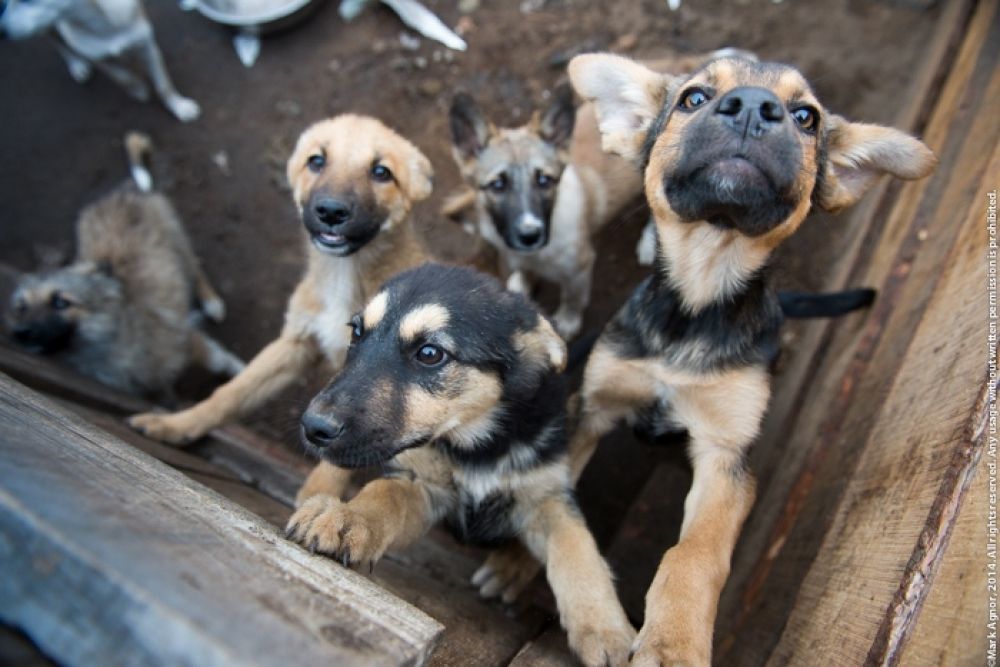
(110, 557)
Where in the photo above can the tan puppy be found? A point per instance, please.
(354, 181)
(124, 311)
(734, 157)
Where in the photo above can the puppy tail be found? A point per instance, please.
(139, 147)
(797, 305)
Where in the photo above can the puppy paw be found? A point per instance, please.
(518, 283)
(602, 646)
(326, 525)
(214, 309)
(649, 650)
(506, 573)
(183, 108)
(80, 70)
(169, 428)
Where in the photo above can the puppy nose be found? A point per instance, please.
(530, 237)
(332, 211)
(751, 109)
(321, 431)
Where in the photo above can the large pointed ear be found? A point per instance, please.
(556, 125)
(857, 154)
(469, 129)
(627, 98)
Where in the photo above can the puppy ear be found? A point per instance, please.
(419, 181)
(470, 131)
(556, 126)
(626, 95)
(859, 153)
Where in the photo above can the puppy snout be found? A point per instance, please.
(529, 233)
(332, 211)
(21, 334)
(750, 109)
(321, 431)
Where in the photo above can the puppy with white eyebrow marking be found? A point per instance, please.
(454, 386)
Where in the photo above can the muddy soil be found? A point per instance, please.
(62, 141)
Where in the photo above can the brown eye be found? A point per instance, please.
(806, 117)
(430, 355)
(693, 98)
(498, 184)
(357, 330)
(381, 173)
(316, 163)
(544, 180)
(58, 302)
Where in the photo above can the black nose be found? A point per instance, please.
(751, 110)
(332, 211)
(321, 431)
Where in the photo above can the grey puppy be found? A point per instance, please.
(125, 312)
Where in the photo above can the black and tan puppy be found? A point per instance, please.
(354, 181)
(734, 157)
(122, 312)
(453, 386)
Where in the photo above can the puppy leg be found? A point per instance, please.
(574, 297)
(386, 513)
(276, 367)
(133, 85)
(212, 355)
(183, 108)
(79, 67)
(518, 282)
(325, 479)
(682, 600)
(209, 301)
(506, 573)
(598, 629)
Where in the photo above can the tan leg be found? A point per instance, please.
(276, 367)
(682, 600)
(325, 479)
(385, 513)
(598, 629)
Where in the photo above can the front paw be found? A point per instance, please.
(506, 572)
(602, 645)
(184, 109)
(326, 525)
(170, 428)
(659, 646)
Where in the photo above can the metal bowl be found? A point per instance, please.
(259, 16)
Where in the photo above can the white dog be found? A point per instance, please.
(94, 34)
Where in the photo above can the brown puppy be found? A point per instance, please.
(122, 312)
(354, 182)
(734, 157)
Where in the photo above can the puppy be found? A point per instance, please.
(733, 156)
(93, 34)
(453, 386)
(121, 313)
(542, 190)
(354, 181)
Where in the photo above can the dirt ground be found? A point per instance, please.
(62, 142)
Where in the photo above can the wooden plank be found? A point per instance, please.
(550, 649)
(899, 506)
(121, 560)
(775, 464)
(794, 509)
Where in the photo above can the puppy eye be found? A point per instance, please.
(693, 98)
(544, 180)
(381, 173)
(357, 330)
(498, 184)
(806, 117)
(58, 302)
(431, 355)
(316, 163)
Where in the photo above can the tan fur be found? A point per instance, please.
(469, 411)
(425, 319)
(333, 287)
(375, 310)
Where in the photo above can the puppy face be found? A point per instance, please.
(738, 144)
(21, 19)
(515, 172)
(352, 177)
(437, 355)
(48, 312)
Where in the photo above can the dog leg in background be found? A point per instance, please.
(79, 68)
(598, 629)
(133, 85)
(212, 355)
(645, 249)
(185, 109)
(386, 513)
(573, 300)
(276, 367)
